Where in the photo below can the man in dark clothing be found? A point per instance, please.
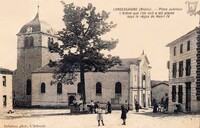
(109, 107)
(137, 106)
(124, 111)
(155, 106)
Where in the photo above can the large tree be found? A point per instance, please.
(82, 46)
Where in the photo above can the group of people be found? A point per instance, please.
(124, 111)
(95, 107)
(79, 104)
(91, 107)
(161, 106)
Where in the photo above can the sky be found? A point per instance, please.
(135, 35)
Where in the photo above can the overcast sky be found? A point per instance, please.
(135, 35)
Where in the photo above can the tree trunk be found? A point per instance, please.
(82, 76)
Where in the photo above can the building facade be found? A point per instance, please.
(32, 87)
(33, 41)
(6, 97)
(184, 72)
(126, 82)
(159, 90)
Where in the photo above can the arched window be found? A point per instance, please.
(50, 43)
(98, 88)
(28, 87)
(52, 40)
(59, 88)
(26, 42)
(143, 81)
(143, 77)
(31, 41)
(43, 88)
(79, 89)
(118, 88)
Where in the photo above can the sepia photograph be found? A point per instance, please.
(90, 64)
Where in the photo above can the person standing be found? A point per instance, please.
(80, 105)
(166, 103)
(124, 111)
(96, 106)
(137, 106)
(99, 115)
(91, 106)
(109, 107)
(155, 105)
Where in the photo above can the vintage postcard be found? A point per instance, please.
(116, 63)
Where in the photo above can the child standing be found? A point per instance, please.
(99, 115)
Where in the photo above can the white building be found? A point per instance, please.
(6, 98)
(128, 82)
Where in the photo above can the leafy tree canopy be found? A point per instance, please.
(82, 46)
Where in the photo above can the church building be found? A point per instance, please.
(32, 87)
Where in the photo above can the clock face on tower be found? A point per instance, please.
(29, 29)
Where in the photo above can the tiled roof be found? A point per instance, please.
(125, 66)
(126, 62)
(182, 37)
(45, 69)
(38, 26)
(5, 71)
(156, 83)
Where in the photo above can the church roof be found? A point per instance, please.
(126, 62)
(37, 25)
(5, 71)
(125, 66)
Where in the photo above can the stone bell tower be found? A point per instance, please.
(33, 52)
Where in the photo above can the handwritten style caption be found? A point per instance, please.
(146, 13)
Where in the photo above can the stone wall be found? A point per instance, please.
(28, 60)
(108, 80)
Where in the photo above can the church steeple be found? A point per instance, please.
(38, 7)
(37, 25)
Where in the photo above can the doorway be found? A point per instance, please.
(70, 100)
(188, 97)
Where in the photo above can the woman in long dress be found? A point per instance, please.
(123, 114)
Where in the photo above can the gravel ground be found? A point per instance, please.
(60, 118)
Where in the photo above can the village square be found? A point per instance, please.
(65, 78)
